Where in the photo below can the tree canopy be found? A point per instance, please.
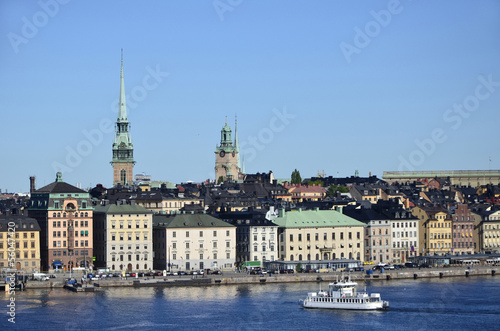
(296, 179)
(333, 189)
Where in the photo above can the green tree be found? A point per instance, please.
(220, 180)
(315, 182)
(296, 179)
(333, 189)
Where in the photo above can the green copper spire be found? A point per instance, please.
(236, 142)
(123, 149)
(122, 110)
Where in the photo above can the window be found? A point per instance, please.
(187, 245)
(201, 234)
(300, 237)
(227, 233)
(316, 236)
(215, 233)
(123, 177)
(291, 237)
(215, 244)
(187, 234)
(342, 236)
(174, 234)
(227, 244)
(333, 235)
(215, 256)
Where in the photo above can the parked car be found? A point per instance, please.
(411, 265)
(216, 272)
(389, 267)
(425, 265)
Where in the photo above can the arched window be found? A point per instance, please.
(291, 257)
(317, 256)
(123, 176)
(300, 257)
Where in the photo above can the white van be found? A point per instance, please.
(40, 276)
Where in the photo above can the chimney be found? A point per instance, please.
(32, 184)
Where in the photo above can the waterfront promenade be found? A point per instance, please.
(234, 278)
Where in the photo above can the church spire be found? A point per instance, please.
(123, 149)
(122, 110)
(236, 142)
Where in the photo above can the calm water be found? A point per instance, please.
(446, 304)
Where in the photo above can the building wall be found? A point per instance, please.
(118, 167)
(321, 243)
(128, 243)
(70, 236)
(439, 234)
(226, 164)
(404, 235)
(463, 231)
(263, 243)
(24, 243)
(489, 233)
(200, 247)
(170, 205)
(378, 241)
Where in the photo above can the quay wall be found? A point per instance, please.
(236, 278)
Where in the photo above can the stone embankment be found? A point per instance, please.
(234, 278)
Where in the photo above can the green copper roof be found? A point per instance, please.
(315, 218)
(123, 149)
(122, 111)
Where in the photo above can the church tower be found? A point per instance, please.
(123, 149)
(226, 157)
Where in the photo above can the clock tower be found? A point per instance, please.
(123, 149)
(226, 157)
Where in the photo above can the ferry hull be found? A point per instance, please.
(382, 305)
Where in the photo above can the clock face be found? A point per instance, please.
(122, 144)
(222, 153)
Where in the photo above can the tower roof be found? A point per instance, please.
(59, 187)
(122, 106)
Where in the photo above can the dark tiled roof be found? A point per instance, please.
(23, 223)
(59, 187)
(188, 221)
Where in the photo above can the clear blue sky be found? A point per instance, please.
(363, 85)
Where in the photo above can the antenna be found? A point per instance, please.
(122, 54)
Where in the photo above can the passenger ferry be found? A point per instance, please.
(343, 295)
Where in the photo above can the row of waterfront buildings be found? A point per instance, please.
(62, 226)
(241, 219)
